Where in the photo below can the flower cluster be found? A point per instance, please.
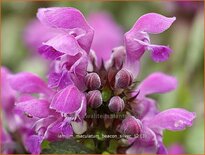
(91, 72)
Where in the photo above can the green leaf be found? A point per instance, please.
(66, 147)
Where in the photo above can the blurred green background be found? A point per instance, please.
(185, 37)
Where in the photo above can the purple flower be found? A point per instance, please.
(150, 130)
(69, 22)
(52, 111)
(69, 46)
(99, 81)
(137, 40)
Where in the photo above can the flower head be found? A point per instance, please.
(79, 86)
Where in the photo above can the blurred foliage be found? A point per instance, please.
(185, 37)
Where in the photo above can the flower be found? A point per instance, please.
(150, 129)
(137, 40)
(52, 111)
(80, 85)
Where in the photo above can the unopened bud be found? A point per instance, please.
(92, 81)
(123, 79)
(118, 56)
(116, 104)
(94, 99)
(131, 126)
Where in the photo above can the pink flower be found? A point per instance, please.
(99, 81)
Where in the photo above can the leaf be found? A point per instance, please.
(66, 147)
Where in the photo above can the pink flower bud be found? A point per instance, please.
(93, 81)
(94, 99)
(130, 125)
(118, 56)
(123, 79)
(116, 104)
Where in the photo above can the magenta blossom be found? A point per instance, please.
(79, 86)
(53, 121)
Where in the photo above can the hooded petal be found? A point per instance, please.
(62, 43)
(137, 39)
(107, 35)
(152, 23)
(157, 83)
(68, 100)
(28, 83)
(72, 19)
(34, 108)
(172, 119)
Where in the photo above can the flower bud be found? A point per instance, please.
(123, 79)
(118, 57)
(116, 104)
(94, 99)
(130, 125)
(92, 81)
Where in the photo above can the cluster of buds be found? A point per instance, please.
(88, 76)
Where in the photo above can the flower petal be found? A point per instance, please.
(153, 23)
(157, 83)
(62, 43)
(159, 53)
(72, 19)
(145, 144)
(145, 109)
(33, 144)
(59, 129)
(137, 39)
(59, 80)
(68, 100)
(49, 52)
(28, 83)
(172, 119)
(34, 108)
